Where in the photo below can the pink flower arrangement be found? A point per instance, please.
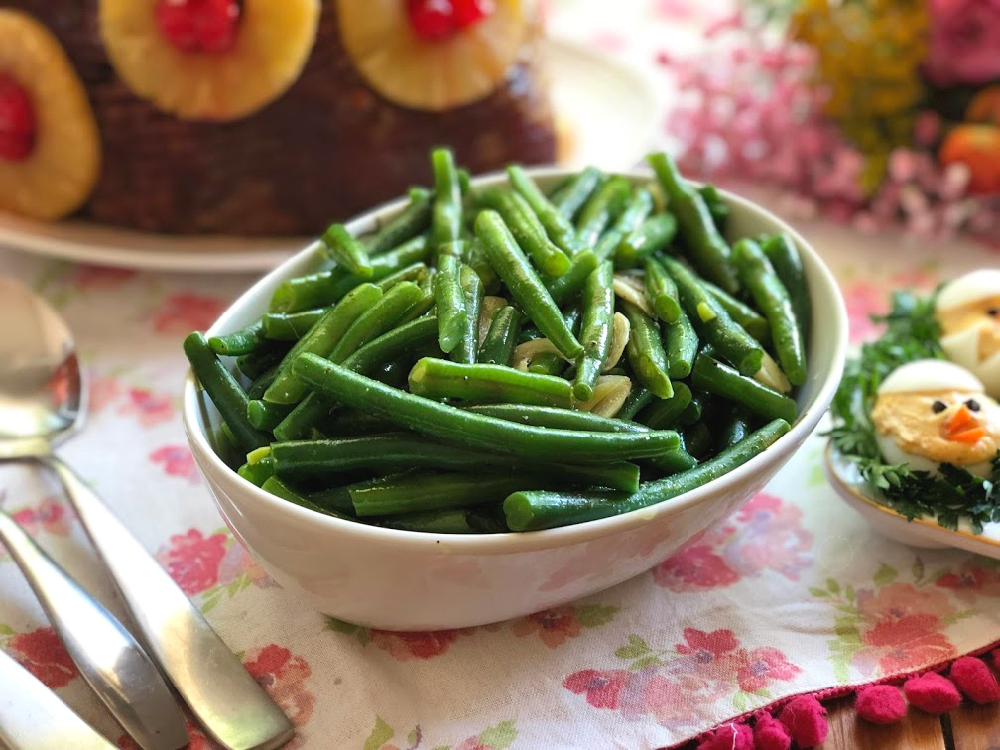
(964, 42)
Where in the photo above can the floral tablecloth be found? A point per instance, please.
(793, 594)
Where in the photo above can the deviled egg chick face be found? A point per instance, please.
(968, 312)
(930, 412)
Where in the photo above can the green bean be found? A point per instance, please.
(344, 250)
(223, 390)
(558, 227)
(451, 312)
(259, 361)
(498, 346)
(547, 363)
(446, 215)
(595, 329)
(653, 236)
(327, 287)
(601, 210)
(695, 409)
(697, 440)
(533, 511)
(382, 316)
(454, 521)
(646, 353)
(472, 293)
(256, 389)
(466, 428)
(638, 398)
(281, 489)
(414, 272)
(335, 499)
(265, 415)
(395, 452)
(630, 219)
(752, 321)
(527, 230)
(787, 262)
(421, 306)
(414, 493)
(715, 377)
(412, 221)
(347, 422)
(441, 379)
(524, 285)
(758, 275)
(291, 326)
(680, 342)
(257, 473)
(734, 429)
(709, 251)
(243, 341)
(713, 324)
(662, 292)
(717, 207)
(321, 339)
(554, 418)
(578, 192)
(663, 413)
(562, 288)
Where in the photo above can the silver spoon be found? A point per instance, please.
(108, 657)
(41, 404)
(32, 717)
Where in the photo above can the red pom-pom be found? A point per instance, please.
(975, 680)
(803, 717)
(880, 704)
(729, 737)
(770, 734)
(932, 693)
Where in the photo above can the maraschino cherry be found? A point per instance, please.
(17, 121)
(438, 20)
(208, 26)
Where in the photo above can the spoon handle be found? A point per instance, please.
(32, 717)
(108, 657)
(228, 702)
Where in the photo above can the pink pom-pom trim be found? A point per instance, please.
(770, 734)
(729, 737)
(880, 704)
(975, 680)
(804, 718)
(932, 693)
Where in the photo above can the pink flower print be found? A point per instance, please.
(49, 516)
(101, 391)
(193, 560)
(761, 666)
(862, 300)
(41, 652)
(899, 600)
(969, 581)
(554, 626)
(707, 648)
(177, 462)
(100, 278)
(237, 562)
(421, 645)
(905, 643)
(150, 408)
(771, 537)
(283, 675)
(602, 688)
(186, 312)
(473, 743)
(965, 37)
(673, 10)
(694, 568)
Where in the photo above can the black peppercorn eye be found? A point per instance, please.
(939, 406)
(993, 312)
(972, 404)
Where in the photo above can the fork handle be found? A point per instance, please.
(108, 657)
(228, 702)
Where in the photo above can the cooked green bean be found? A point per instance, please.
(787, 262)
(715, 377)
(266, 416)
(645, 352)
(662, 292)
(653, 236)
(770, 295)
(335, 499)
(227, 395)
(423, 305)
(344, 250)
(558, 227)
(547, 363)
(244, 341)
(481, 265)
(709, 251)
(498, 346)
(382, 316)
(472, 293)
(578, 192)
(533, 511)
(752, 321)
(259, 361)
(638, 398)
(467, 428)
(717, 207)
(562, 288)
(451, 312)
(680, 342)
(446, 213)
(256, 389)
(695, 409)
(281, 489)
(697, 440)
(414, 493)
(455, 521)
(524, 285)
(736, 427)
(441, 379)
(663, 413)
(257, 473)
(412, 221)
(291, 326)
(601, 210)
(630, 219)
(414, 272)
(595, 329)
(713, 324)
(321, 339)
(554, 418)
(527, 230)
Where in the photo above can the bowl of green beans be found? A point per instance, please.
(496, 395)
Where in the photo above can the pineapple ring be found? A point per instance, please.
(273, 43)
(419, 74)
(60, 172)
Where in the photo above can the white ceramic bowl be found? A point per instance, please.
(397, 580)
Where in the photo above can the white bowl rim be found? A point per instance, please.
(564, 536)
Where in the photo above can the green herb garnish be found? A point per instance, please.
(911, 333)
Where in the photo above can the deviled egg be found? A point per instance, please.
(930, 412)
(968, 312)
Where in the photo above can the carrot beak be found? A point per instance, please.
(962, 427)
